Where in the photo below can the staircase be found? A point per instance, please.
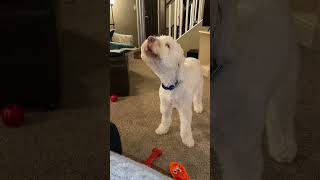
(182, 16)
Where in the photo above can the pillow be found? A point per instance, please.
(122, 38)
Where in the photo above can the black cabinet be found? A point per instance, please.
(193, 53)
(29, 55)
(119, 82)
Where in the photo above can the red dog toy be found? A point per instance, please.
(178, 171)
(156, 152)
(114, 98)
(12, 115)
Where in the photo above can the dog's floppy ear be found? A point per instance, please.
(182, 58)
(180, 53)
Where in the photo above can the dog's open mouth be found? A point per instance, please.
(150, 52)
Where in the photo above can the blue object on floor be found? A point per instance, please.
(115, 45)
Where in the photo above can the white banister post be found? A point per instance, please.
(177, 13)
(195, 10)
(170, 10)
(181, 17)
(202, 7)
(191, 15)
(200, 10)
(175, 20)
(187, 16)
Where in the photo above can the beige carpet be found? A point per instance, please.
(138, 115)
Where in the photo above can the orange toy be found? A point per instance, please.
(178, 172)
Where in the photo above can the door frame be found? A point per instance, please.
(140, 6)
(162, 17)
(140, 21)
(152, 21)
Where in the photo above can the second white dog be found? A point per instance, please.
(181, 83)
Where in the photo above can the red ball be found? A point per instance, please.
(114, 98)
(12, 115)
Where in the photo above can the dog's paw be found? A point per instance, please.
(161, 130)
(188, 141)
(198, 108)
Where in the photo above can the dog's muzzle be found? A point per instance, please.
(149, 49)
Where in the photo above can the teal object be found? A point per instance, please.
(115, 45)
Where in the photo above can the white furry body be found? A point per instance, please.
(189, 90)
(190, 87)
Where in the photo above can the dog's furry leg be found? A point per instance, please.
(197, 98)
(166, 111)
(280, 121)
(185, 113)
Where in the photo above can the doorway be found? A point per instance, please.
(151, 17)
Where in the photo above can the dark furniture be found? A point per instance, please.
(115, 139)
(29, 65)
(214, 66)
(193, 53)
(206, 13)
(119, 83)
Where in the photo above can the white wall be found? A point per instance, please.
(191, 39)
(125, 18)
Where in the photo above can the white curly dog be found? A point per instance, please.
(181, 83)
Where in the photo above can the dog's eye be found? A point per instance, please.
(168, 45)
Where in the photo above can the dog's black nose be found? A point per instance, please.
(151, 39)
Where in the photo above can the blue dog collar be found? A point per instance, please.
(170, 87)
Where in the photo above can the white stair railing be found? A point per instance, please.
(187, 13)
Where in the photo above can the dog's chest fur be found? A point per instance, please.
(176, 96)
